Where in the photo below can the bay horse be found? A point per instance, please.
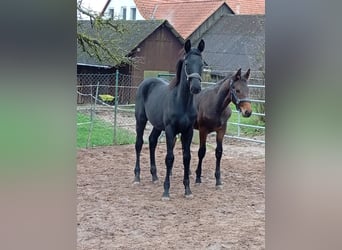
(170, 108)
(213, 113)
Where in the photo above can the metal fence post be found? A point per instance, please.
(239, 122)
(116, 103)
(92, 113)
(91, 118)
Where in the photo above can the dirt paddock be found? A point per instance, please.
(112, 213)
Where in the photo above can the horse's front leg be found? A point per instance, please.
(169, 159)
(186, 143)
(203, 133)
(218, 153)
(153, 140)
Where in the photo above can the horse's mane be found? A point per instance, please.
(220, 82)
(174, 82)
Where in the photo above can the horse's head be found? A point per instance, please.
(240, 93)
(193, 65)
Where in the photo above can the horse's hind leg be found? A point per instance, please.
(218, 153)
(173, 147)
(186, 142)
(140, 127)
(201, 153)
(153, 140)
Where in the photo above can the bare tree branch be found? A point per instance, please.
(94, 44)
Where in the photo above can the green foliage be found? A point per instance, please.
(102, 134)
(260, 108)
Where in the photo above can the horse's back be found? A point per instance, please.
(150, 100)
(151, 86)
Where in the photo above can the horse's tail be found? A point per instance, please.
(143, 90)
(140, 100)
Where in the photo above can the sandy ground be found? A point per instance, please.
(112, 213)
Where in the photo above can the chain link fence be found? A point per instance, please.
(105, 109)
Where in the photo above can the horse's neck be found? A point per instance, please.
(183, 92)
(223, 96)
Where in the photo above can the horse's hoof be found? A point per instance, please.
(165, 198)
(197, 183)
(219, 187)
(155, 181)
(136, 182)
(189, 196)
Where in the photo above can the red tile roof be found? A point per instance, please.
(183, 17)
(187, 15)
(146, 7)
(249, 7)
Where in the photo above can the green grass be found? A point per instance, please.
(232, 129)
(102, 133)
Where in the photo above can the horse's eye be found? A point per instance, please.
(237, 91)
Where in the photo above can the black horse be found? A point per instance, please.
(169, 108)
(213, 113)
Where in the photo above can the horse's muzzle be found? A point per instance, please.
(246, 109)
(247, 113)
(195, 86)
(195, 89)
(195, 83)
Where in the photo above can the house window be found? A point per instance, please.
(111, 13)
(133, 13)
(123, 13)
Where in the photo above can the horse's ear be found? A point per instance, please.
(187, 46)
(237, 75)
(246, 76)
(201, 45)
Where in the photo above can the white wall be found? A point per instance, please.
(97, 6)
(118, 4)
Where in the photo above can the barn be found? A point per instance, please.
(152, 46)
